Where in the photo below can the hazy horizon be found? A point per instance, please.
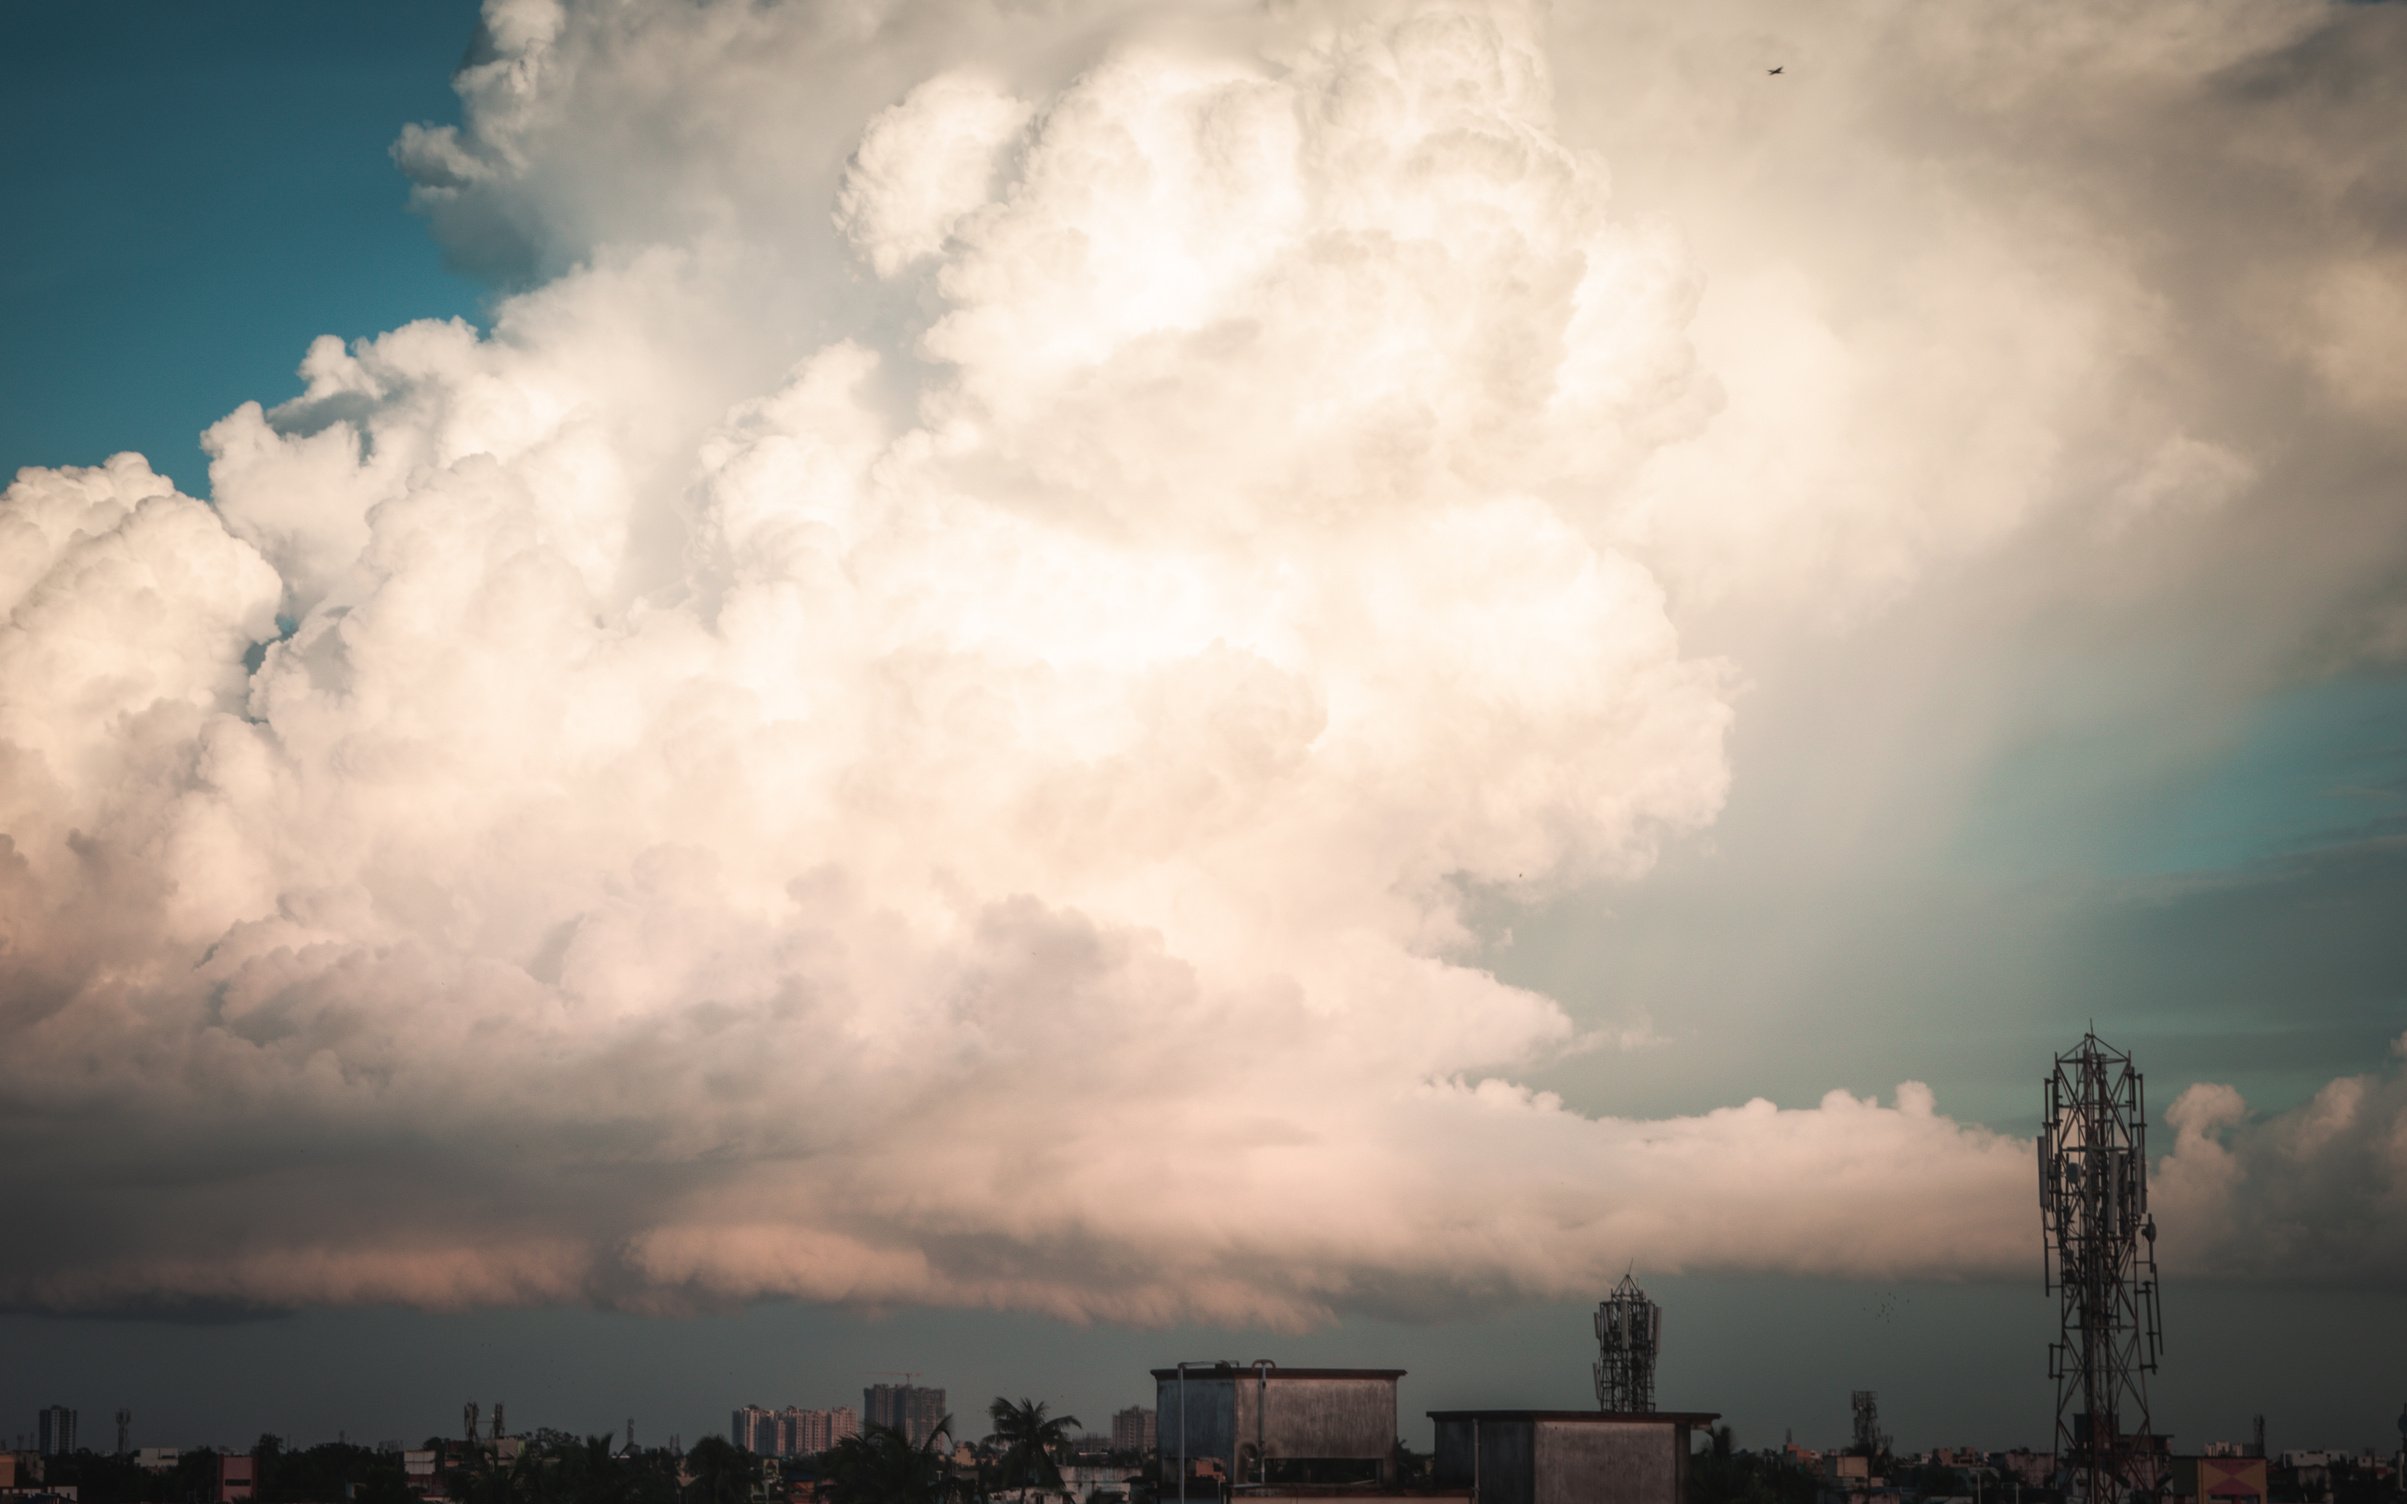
(704, 698)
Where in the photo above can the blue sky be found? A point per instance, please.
(200, 191)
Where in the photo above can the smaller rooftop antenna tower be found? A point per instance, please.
(468, 1419)
(1868, 1440)
(1629, 1335)
(125, 1427)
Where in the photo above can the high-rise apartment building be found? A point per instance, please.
(57, 1427)
(1132, 1430)
(913, 1409)
(793, 1431)
(817, 1430)
(752, 1429)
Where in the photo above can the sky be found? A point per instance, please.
(698, 700)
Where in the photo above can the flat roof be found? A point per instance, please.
(1370, 1493)
(1246, 1371)
(1672, 1417)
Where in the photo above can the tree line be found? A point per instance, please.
(879, 1466)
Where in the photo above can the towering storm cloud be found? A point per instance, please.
(941, 709)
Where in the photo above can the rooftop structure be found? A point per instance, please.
(1566, 1456)
(1629, 1333)
(1262, 1424)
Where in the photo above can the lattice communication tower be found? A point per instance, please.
(1868, 1440)
(2100, 1260)
(1629, 1334)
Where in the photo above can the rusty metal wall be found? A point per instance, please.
(1318, 1417)
(1599, 1462)
(1533, 1460)
(1210, 1418)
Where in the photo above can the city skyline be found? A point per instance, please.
(1048, 694)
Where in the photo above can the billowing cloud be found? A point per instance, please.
(929, 714)
(2318, 1192)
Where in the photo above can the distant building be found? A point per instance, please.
(749, 1429)
(913, 1409)
(422, 1470)
(56, 1431)
(237, 1477)
(2220, 1480)
(1081, 1481)
(157, 1459)
(1133, 1429)
(793, 1431)
(818, 1430)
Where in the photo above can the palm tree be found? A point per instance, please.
(880, 1466)
(585, 1472)
(722, 1472)
(1031, 1442)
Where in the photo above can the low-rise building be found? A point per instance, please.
(422, 1471)
(237, 1477)
(2220, 1480)
(2030, 1469)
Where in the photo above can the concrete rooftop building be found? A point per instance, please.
(1567, 1456)
(1267, 1434)
(1261, 1423)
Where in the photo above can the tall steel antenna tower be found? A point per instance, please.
(2100, 1260)
(468, 1419)
(125, 1426)
(1629, 1333)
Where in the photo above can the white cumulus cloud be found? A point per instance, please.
(922, 717)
